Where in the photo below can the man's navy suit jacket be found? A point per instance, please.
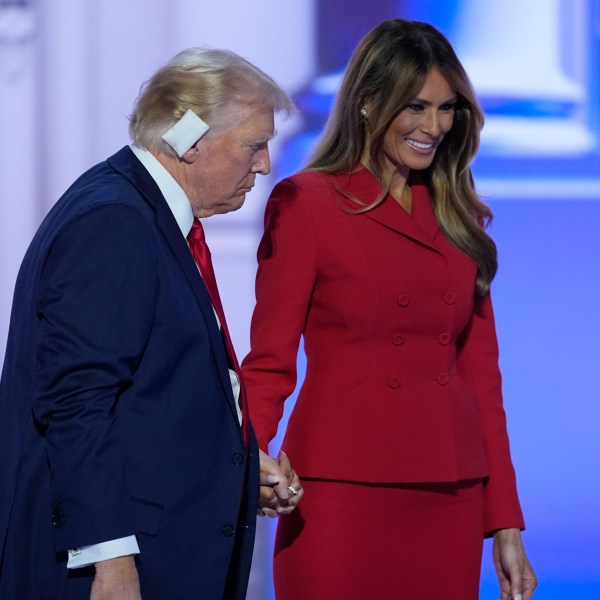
(116, 410)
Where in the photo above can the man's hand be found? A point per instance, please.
(516, 577)
(116, 579)
(280, 487)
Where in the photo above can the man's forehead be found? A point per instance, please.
(245, 123)
(257, 124)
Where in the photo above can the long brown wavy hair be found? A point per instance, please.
(386, 71)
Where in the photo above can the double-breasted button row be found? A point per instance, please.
(449, 298)
(443, 339)
(441, 378)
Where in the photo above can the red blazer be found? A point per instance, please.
(402, 381)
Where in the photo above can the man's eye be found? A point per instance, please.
(258, 146)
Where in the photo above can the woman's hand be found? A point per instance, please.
(280, 487)
(516, 577)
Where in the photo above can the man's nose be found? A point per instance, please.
(262, 164)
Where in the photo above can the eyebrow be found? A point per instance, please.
(428, 103)
(262, 140)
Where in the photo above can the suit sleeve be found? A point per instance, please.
(285, 279)
(478, 365)
(95, 311)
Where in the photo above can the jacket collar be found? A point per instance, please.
(421, 225)
(171, 191)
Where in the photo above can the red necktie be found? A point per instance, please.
(201, 254)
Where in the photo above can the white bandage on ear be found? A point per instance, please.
(186, 132)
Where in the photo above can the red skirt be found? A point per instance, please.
(353, 541)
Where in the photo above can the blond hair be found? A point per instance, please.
(212, 83)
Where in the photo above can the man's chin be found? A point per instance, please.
(234, 204)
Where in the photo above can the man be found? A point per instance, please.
(129, 469)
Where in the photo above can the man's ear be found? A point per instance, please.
(192, 155)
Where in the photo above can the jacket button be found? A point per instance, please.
(449, 297)
(442, 378)
(444, 339)
(403, 300)
(228, 530)
(394, 382)
(237, 458)
(397, 340)
(58, 516)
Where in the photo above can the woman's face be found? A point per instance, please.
(414, 135)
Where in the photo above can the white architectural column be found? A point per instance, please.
(18, 171)
(514, 47)
(93, 57)
(516, 50)
(65, 92)
(130, 41)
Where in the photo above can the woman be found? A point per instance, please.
(378, 256)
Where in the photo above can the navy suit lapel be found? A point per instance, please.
(126, 163)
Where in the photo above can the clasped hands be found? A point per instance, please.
(278, 482)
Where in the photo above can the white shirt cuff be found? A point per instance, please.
(88, 555)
